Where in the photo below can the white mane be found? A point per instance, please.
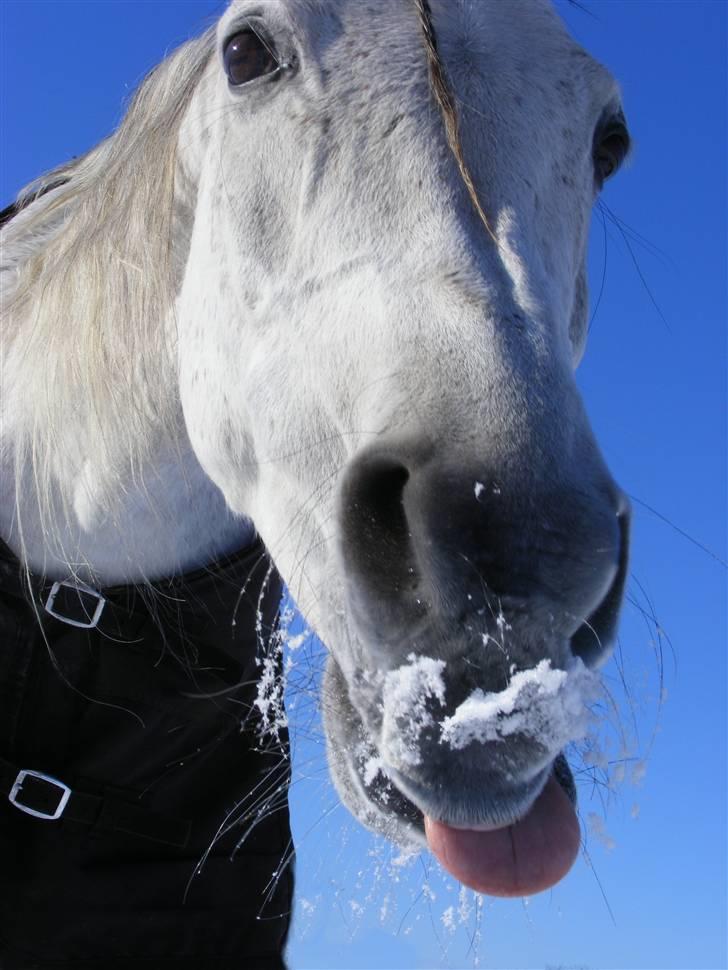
(83, 341)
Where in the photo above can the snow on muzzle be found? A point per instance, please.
(482, 774)
(438, 546)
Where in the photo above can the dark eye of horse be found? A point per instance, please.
(246, 57)
(610, 150)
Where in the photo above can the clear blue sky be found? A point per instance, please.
(656, 391)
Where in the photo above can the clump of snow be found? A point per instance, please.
(594, 756)
(293, 643)
(448, 919)
(598, 829)
(639, 770)
(465, 907)
(543, 703)
(372, 767)
(274, 672)
(405, 857)
(269, 695)
(408, 694)
(480, 488)
(501, 621)
(384, 908)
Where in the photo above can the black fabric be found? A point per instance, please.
(159, 775)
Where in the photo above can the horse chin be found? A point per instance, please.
(358, 770)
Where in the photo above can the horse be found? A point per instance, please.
(326, 286)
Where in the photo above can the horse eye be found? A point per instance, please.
(247, 57)
(610, 150)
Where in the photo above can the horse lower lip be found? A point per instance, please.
(526, 857)
(475, 828)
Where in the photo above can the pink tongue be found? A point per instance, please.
(518, 860)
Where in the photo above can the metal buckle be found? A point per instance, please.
(54, 782)
(101, 602)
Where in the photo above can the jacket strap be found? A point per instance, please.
(44, 797)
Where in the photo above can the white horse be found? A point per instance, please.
(327, 283)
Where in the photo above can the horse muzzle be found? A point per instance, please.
(482, 603)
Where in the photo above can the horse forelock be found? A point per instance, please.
(445, 99)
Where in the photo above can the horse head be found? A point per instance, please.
(382, 304)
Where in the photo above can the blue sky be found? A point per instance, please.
(655, 387)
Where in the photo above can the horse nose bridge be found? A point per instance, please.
(473, 369)
(426, 540)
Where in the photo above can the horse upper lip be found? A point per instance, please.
(485, 760)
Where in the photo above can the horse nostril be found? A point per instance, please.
(376, 502)
(418, 553)
(377, 542)
(594, 639)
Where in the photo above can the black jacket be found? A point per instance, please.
(142, 867)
